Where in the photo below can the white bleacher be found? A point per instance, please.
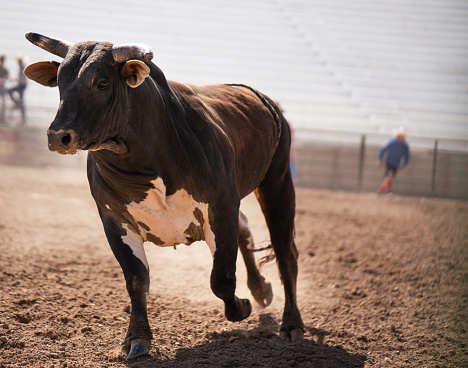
(360, 66)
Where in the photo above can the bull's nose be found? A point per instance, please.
(63, 141)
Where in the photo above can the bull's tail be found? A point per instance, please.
(268, 258)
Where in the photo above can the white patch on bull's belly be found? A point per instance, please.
(168, 217)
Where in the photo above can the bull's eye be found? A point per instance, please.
(102, 84)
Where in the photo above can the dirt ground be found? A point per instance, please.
(383, 283)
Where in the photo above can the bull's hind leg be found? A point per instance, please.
(277, 203)
(277, 200)
(260, 289)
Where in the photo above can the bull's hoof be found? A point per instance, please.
(294, 335)
(238, 311)
(263, 295)
(136, 348)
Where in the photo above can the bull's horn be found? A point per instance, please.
(125, 52)
(53, 45)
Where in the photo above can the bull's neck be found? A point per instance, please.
(158, 137)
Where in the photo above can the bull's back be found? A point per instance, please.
(246, 122)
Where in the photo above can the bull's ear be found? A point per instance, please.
(43, 72)
(135, 72)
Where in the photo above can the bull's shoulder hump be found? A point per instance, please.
(190, 90)
(182, 88)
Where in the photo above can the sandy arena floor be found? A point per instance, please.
(383, 283)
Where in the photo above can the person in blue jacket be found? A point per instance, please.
(394, 155)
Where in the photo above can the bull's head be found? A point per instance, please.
(93, 79)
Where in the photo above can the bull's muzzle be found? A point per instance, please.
(63, 141)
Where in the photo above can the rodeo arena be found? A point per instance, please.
(339, 127)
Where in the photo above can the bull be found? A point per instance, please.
(169, 163)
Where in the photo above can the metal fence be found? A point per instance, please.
(438, 168)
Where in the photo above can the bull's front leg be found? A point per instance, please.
(127, 247)
(225, 227)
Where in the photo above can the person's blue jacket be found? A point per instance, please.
(395, 151)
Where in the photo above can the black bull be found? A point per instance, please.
(169, 163)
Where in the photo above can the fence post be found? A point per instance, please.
(434, 166)
(361, 161)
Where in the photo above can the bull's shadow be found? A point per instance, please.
(259, 347)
